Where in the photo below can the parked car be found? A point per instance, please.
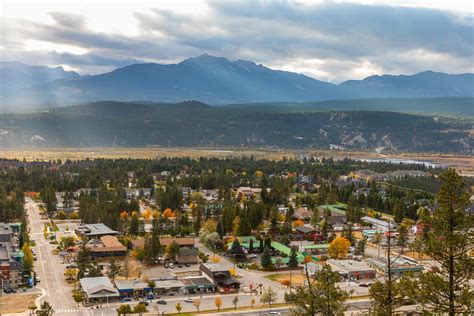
(187, 264)
(162, 302)
(7, 290)
(188, 300)
(180, 265)
(150, 296)
(170, 265)
(253, 256)
(125, 299)
(144, 302)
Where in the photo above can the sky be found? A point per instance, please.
(327, 40)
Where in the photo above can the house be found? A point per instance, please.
(399, 266)
(248, 192)
(187, 255)
(302, 213)
(352, 270)
(220, 276)
(106, 246)
(94, 230)
(305, 232)
(98, 289)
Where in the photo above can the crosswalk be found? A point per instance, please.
(65, 311)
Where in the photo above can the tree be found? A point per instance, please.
(134, 224)
(218, 302)
(360, 247)
(197, 303)
(78, 297)
(178, 308)
(114, 269)
(268, 296)
(124, 309)
(386, 297)
(151, 285)
(235, 225)
(140, 309)
(172, 250)
(27, 258)
(70, 274)
(320, 296)
(266, 259)
(45, 309)
(402, 238)
(446, 289)
(293, 262)
(32, 308)
(235, 301)
(339, 248)
(251, 246)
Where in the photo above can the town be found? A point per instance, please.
(176, 235)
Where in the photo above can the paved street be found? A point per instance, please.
(48, 266)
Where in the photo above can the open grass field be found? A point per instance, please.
(464, 164)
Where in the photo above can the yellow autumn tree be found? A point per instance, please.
(339, 248)
(146, 214)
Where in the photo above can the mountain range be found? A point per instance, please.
(212, 80)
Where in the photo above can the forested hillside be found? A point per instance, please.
(197, 124)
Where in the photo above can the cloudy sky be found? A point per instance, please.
(327, 40)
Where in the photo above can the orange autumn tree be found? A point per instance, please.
(298, 223)
(339, 248)
(146, 214)
(168, 213)
(124, 215)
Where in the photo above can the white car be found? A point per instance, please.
(188, 300)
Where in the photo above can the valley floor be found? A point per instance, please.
(464, 164)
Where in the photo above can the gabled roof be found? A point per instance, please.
(305, 229)
(98, 287)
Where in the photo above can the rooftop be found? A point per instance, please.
(349, 265)
(96, 230)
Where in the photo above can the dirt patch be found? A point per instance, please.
(297, 278)
(17, 303)
(416, 255)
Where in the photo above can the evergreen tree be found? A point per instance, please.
(320, 296)
(447, 289)
(266, 259)
(220, 228)
(293, 262)
(251, 246)
(114, 269)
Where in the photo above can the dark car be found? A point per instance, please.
(180, 265)
(187, 264)
(162, 302)
(6, 290)
(125, 299)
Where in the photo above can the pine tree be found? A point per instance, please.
(266, 259)
(293, 262)
(220, 228)
(447, 289)
(320, 296)
(251, 246)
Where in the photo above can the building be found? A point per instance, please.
(198, 284)
(379, 224)
(187, 255)
(219, 276)
(95, 230)
(305, 232)
(182, 242)
(106, 246)
(11, 257)
(399, 266)
(98, 290)
(131, 288)
(352, 270)
(302, 213)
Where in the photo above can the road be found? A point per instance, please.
(48, 266)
